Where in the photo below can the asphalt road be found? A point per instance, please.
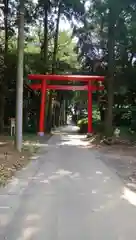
(67, 193)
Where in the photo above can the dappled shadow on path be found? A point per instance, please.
(73, 140)
(38, 212)
(66, 195)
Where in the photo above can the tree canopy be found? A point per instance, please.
(101, 40)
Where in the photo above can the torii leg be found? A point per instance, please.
(89, 108)
(42, 108)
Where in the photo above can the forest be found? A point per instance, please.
(71, 37)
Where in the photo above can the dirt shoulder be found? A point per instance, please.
(120, 157)
(123, 160)
(12, 161)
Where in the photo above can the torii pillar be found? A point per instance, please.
(42, 108)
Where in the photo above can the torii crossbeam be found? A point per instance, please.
(43, 86)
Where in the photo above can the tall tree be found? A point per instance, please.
(101, 40)
(112, 17)
(76, 9)
(20, 74)
(56, 35)
(3, 86)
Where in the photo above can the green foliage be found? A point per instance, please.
(83, 126)
(34, 40)
(97, 58)
(66, 47)
(83, 123)
(89, 54)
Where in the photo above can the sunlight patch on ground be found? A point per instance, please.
(63, 172)
(4, 207)
(28, 233)
(59, 175)
(75, 176)
(32, 217)
(70, 129)
(2, 143)
(94, 191)
(36, 144)
(34, 157)
(54, 177)
(129, 196)
(66, 129)
(73, 140)
(92, 140)
(14, 181)
(45, 181)
(99, 172)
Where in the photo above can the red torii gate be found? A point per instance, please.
(43, 86)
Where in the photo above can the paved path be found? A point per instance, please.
(68, 193)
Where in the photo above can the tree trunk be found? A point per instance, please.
(3, 88)
(49, 110)
(6, 3)
(110, 76)
(19, 84)
(56, 40)
(2, 108)
(45, 43)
